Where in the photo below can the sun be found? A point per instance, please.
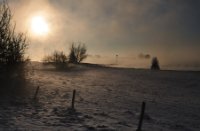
(39, 25)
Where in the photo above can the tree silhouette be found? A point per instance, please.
(77, 53)
(72, 56)
(155, 64)
(12, 45)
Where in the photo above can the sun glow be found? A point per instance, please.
(39, 25)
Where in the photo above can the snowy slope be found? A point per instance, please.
(106, 99)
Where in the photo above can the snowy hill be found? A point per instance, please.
(106, 99)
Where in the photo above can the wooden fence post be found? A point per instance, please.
(141, 117)
(36, 92)
(73, 99)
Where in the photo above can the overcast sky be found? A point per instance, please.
(168, 29)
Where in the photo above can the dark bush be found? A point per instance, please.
(155, 64)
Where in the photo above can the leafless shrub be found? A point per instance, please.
(77, 53)
(56, 57)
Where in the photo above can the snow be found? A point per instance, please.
(106, 99)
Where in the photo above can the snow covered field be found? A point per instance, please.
(107, 99)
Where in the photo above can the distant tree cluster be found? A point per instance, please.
(77, 54)
(144, 56)
(12, 45)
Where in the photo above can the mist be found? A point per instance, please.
(167, 30)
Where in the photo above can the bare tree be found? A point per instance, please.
(12, 45)
(77, 53)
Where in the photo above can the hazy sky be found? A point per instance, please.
(168, 29)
